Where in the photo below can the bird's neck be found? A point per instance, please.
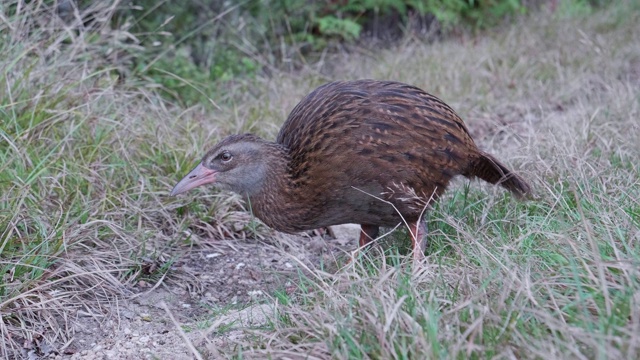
(278, 200)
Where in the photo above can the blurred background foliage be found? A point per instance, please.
(191, 48)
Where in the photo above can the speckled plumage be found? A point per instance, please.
(362, 152)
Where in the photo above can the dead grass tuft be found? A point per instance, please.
(84, 214)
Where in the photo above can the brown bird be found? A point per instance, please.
(374, 153)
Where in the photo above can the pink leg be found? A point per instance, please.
(368, 233)
(419, 233)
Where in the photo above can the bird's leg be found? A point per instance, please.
(419, 231)
(367, 234)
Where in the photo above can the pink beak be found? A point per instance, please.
(198, 176)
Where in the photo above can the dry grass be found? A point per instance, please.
(86, 165)
(556, 277)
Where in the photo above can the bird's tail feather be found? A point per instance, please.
(489, 169)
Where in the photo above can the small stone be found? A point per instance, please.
(345, 232)
(127, 313)
(288, 265)
(531, 118)
(240, 265)
(127, 331)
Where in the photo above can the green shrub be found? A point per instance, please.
(189, 48)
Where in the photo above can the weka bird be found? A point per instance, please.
(374, 153)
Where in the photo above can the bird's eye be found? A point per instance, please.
(225, 156)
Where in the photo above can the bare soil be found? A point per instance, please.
(214, 294)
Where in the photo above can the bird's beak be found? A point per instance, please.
(198, 176)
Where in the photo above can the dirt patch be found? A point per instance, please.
(213, 294)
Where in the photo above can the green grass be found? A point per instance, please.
(527, 287)
(84, 168)
(86, 163)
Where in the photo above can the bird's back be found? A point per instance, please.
(359, 145)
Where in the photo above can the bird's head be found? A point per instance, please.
(239, 163)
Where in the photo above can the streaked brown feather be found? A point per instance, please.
(366, 152)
